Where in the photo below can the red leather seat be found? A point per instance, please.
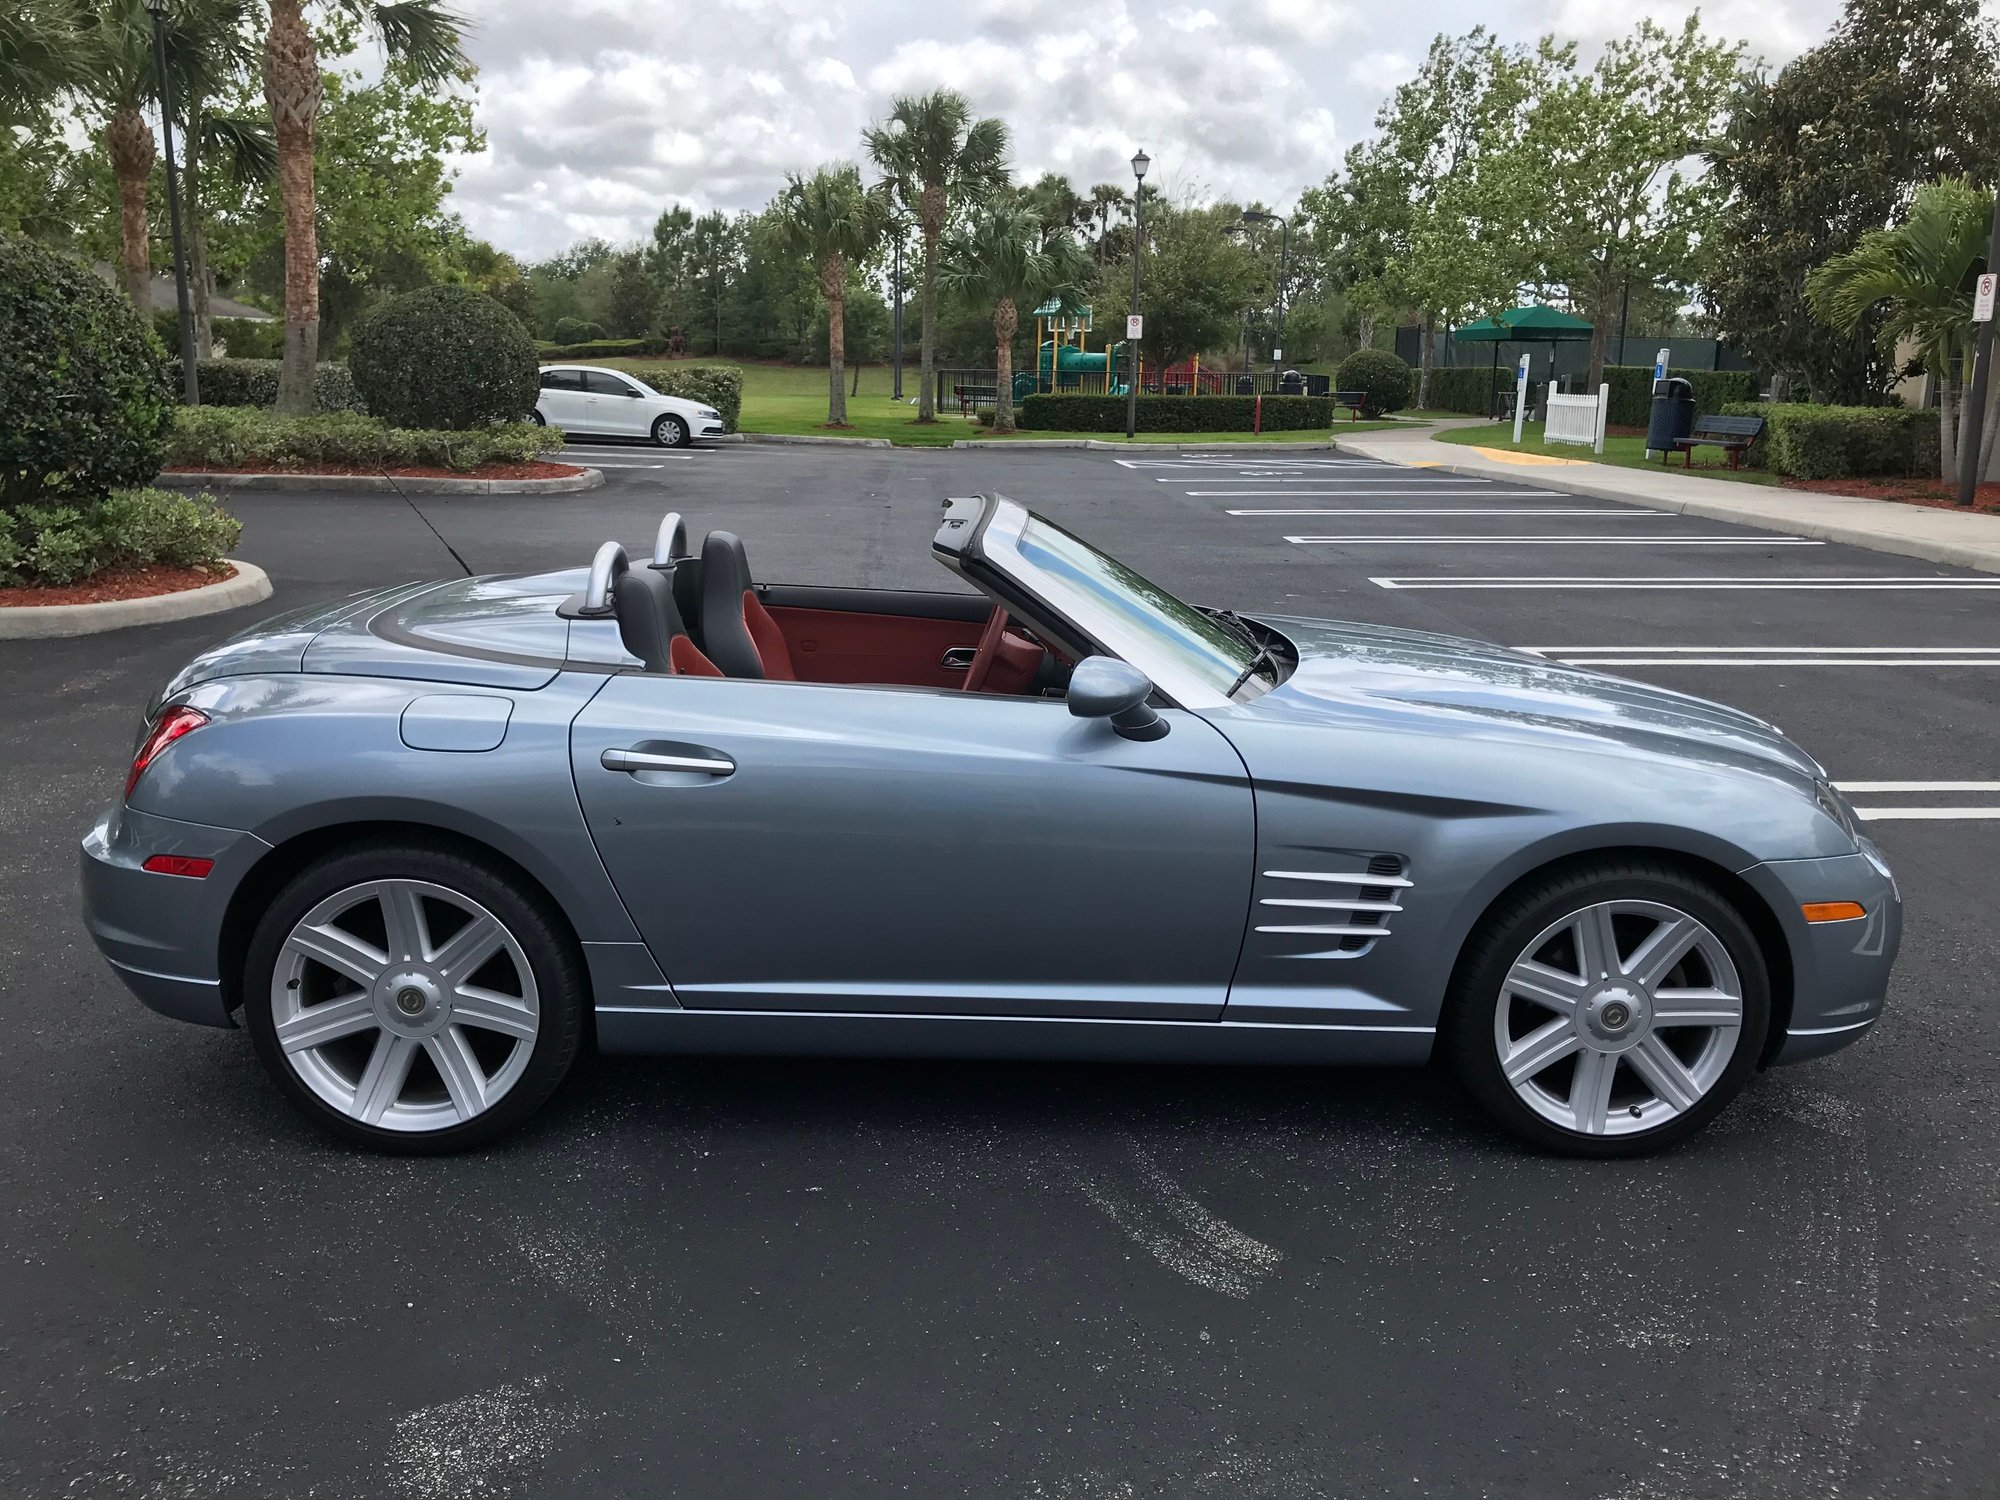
(737, 631)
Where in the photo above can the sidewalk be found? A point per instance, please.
(1939, 536)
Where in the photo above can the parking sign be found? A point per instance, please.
(1135, 326)
(1982, 300)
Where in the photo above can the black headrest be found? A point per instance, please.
(648, 621)
(725, 579)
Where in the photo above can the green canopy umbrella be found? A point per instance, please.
(1524, 325)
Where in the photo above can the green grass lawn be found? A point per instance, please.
(1625, 452)
(791, 399)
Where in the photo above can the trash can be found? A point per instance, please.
(1246, 385)
(1291, 383)
(1673, 414)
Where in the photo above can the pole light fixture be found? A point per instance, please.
(190, 376)
(1259, 216)
(1140, 162)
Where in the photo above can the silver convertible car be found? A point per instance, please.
(431, 841)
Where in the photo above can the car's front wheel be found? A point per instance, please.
(1611, 1009)
(410, 999)
(535, 416)
(671, 432)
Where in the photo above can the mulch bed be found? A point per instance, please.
(1932, 492)
(116, 583)
(485, 471)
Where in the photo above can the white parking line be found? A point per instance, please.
(1918, 786)
(1877, 814)
(1397, 490)
(1557, 541)
(1503, 581)
(1769, 656)
(1619, 512)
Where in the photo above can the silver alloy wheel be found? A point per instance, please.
(670, 432)
(405, 1005)
(1618, 1018)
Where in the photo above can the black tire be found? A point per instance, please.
(535, 416)
(1467, 1025)
(527, 915)
(669, 431)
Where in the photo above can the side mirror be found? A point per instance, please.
(1103, 687)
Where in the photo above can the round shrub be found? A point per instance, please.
(444, 357)
(66, 541)
(86, 401)
(577, 331)
(1382, 379)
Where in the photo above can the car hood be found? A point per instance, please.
(1351, 672)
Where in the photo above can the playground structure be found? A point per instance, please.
(1064, 361)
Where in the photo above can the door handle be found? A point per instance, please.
(958, 658)
(653, 760)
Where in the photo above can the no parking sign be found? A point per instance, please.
(1982, 299)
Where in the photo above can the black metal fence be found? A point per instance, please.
(971, 389)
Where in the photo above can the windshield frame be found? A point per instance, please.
(997, 540)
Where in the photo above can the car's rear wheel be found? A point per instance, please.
(671, 432)
(1610, 1009)
(537, 418)
(410, 1000)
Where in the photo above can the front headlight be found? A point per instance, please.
(1838, 808)
(709, 412)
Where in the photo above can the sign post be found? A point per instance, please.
(1973, 440)
(1520, 397)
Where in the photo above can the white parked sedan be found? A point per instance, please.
(589, 399)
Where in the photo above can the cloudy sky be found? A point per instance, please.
(602, 112)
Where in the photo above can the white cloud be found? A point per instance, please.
(601, 113)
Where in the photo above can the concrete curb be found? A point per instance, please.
(1102, 445)
(43, 622)
(814, 438)
(381, 484)
(1980, 556)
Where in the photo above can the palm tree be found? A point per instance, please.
(1922, 273)
(835, 222)
(939, 159)
(1106, 199)
(39, 56)
(1056, 204)
(423, 35)
(1002, 258)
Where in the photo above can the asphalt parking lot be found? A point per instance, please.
(758, 1278)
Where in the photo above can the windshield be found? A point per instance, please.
(1179, 647)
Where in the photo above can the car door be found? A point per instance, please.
(614, 403)
(561, 402)
(829, 848)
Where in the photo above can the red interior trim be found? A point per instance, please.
(769, 640)
(684, 659)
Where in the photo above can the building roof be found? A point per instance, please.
(166, 298)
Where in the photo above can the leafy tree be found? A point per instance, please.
(1005, 258)
(629, 296)
(1608, 172)
(1106, 200)
(831, 220)
(1056, 206)
(40, 57)
(1836, 145)
(1919, 277)
(423, 36)
(715, 254)
(1434, 204)
(939, 160)
(1197, 280)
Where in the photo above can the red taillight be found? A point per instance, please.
(169, 727)
(179, 864)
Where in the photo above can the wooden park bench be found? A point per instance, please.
(1732, 434)
(1354, 401)
(970, 396)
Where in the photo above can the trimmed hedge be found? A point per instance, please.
(444, 357)
(85, 403)
(1059, 413)
(254, 382)
(241, 338)
(1842, 442)
(1382, 379)
(61, 543)
(719, 386)
(577, 331)
(1632, 391)
(1475, 392)
(224, 437)
(603, 349)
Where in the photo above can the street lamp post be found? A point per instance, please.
(1140, 161)
(190, 376)
(896, 281)
(1258, 216)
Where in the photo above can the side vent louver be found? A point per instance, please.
(1354, 905)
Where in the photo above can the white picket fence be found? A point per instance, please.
(1578, 419)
